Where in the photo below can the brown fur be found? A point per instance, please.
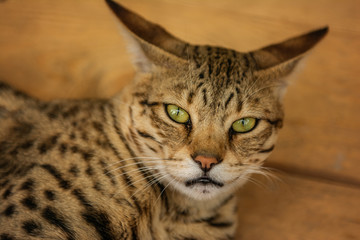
(120, 168)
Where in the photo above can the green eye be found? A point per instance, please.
(244, 125)
(177, 114)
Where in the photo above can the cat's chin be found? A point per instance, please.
(203, 192)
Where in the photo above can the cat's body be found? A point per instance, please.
(57, 181)
(128, 167)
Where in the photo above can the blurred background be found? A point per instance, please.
(72, 49)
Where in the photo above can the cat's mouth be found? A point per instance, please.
(204, 180)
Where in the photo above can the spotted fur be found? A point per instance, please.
(120, 168)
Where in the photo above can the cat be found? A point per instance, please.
(160, 160)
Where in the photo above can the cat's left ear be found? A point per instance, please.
(150, 44)
(277, 61)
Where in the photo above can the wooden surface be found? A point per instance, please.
(72, 49)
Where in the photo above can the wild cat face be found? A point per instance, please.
(212, 121)
(207, 116)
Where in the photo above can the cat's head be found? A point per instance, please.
(210, 114)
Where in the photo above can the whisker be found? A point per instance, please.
(150, 176)
(270, 177)
(142, 169)
(132, 164)
(139, 180)
(133, 158)
(163, 191)
(148, 185)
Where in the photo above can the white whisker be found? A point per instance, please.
(163, 190)
(142, 169)
(134, 158)
(148, 185)
(133, 164)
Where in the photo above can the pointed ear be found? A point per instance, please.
(289, 50)
(150, 44)
(279, 60)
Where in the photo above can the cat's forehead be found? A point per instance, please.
(218, 59)
(219, 67)
(216, 78)
(217, 71)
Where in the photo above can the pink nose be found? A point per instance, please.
(206, 162)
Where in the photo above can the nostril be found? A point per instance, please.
(206, 162)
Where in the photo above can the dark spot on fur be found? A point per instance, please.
(87, 155)
(26, 145)
(25, 169)
(30, 203)
(22, 129)
(4, 146)
(98, 126)
(72, 112)
(204, 96)
(74, 149)
(8, 192)
(5, 236)
(48, 144)
(42, 148)
(97, 186)
(57, 175)
(63, 148)
(50, 195)
(54, 139)
(14, 152)
(4, 183)
(54, 112)
(89, 171)
(84, 136)
(54, 218)
(28, 185)
(72, 136)
(74, 170)
(9, 211)
(190, 97)
(101, 223)
(149, 104)
(31, 227)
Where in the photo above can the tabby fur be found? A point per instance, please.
(120, 168)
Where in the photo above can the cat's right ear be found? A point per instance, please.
(287, 52)
(278, 61)
(151, 45)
